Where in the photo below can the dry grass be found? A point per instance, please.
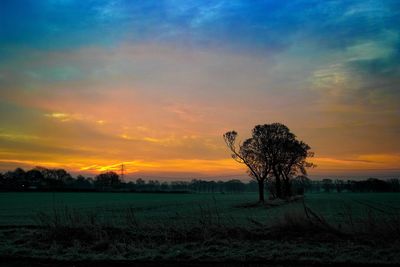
(297, 235)
(90, 227)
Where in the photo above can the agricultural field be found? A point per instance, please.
(337, 228)
(22, 208)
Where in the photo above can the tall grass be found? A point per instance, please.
(95, 228)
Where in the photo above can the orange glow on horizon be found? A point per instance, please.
(207, 167)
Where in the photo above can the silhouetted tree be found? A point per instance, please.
(164, 186)
(289, 157)
(394, 185)
(327, 185)
(251, 154)
(54, 174)
(82, 183)
(235, 186)
(153, 185)
(140, 182)
(15, 179)
(339, 184)
(301, 184)
(272, 152)
(251, 186)
(107, 180)
(35, 178)
(179, 186)
(2, 182)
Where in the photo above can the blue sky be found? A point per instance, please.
(246, 24)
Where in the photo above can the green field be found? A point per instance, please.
(22, 208)
(338, 228)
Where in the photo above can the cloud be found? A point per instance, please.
(165, 166)
(371, 50)
(59, 116)
(17, 136)
(151, 81)
(361, 166)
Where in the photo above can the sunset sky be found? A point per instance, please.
(87, 85)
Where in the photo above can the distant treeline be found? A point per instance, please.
(44, 179)
(368, 185)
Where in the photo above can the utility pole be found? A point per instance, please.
(122, 172)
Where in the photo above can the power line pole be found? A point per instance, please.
(122, 172)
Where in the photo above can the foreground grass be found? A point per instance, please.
(216, 250)
(299, 234)
(330, 228)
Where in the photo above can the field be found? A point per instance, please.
(322, 227)
(22, 208)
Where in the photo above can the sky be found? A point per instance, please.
(88, 85)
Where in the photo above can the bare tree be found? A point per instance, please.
(251, 154)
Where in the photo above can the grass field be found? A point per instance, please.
(338, 228)
(21, 208)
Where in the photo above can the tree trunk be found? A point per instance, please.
(287, 190)
(261, 191)
(278, 187)
(278, 184)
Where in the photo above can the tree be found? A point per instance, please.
(289, 160)
(107, 180)
(35, 178)
(82, 183)
(15, 180)
(252, 155)
(54, 178)
(327, 185)
(272, 153)
(301, 184)
(339, 184)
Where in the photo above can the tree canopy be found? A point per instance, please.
(272, 154)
